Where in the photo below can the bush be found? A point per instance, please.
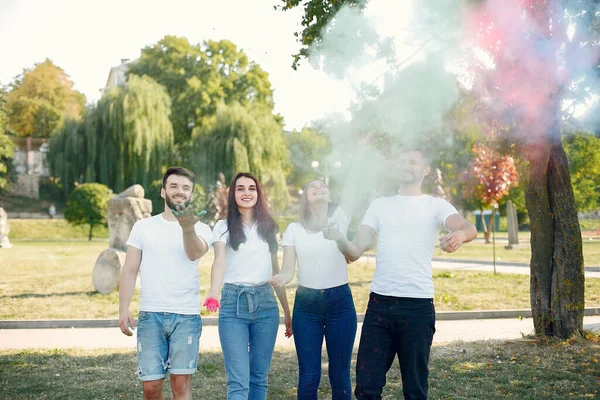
(88, 205)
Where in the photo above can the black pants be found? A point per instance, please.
(395, 326)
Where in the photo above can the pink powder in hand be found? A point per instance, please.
(212, 304)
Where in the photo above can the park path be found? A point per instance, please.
(92, 338)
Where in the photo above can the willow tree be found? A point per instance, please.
(67, 155)
(125, 139)
(239, 140)
(200, 76)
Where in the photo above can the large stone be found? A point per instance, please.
(123, 213)
(107, 270)
(4, 229)
(136, 191)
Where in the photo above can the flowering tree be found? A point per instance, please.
(489, 179)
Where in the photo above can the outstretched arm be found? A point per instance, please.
(461, 231)
(194, 246)
(352, 250)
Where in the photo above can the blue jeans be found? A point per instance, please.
(328, 313)
(248, 323)
(393, 326)
(167, 342)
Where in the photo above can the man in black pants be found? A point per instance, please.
(400, 318)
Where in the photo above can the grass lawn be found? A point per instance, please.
(52, 229)
(52, 280)
(479, 250)
(460, 371)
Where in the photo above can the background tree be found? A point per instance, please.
(88, 205)
(305, 147)
(317, 15)
(40, 99)
(6, 146)
(126, 139)
(489, 179)
(583, 152)
(240, 139)
(198, 77)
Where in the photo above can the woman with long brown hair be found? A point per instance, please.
(245, 259)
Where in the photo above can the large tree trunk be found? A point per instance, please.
(557, 269)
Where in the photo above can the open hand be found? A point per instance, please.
(186, 217)
(452, 241)
(125, 321)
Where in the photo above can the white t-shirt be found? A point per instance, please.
(169, 280)
(408, 227)
(320, 264)
(251, 264)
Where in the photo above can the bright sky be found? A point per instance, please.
(87, 38)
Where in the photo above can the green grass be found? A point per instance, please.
(478, 250)
(53, 280)
(52, 229)
(550, 370)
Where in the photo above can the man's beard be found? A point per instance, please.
(171, 204)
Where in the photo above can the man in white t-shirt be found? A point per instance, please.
(165, 249)
(400, 317)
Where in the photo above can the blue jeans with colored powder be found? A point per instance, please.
(330, 314)
(248, 323)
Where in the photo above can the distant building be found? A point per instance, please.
(118, 75)
(31, 165)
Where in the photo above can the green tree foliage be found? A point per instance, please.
(240, 139)
(583, 153)
(6, 146)
(40, 99)
(317, 14)
(200, 76)
(306, 146)
(126, 139)
(88, 205)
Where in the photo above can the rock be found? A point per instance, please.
(136, 191)
(122, 214)
(4, 229)
(107, 270)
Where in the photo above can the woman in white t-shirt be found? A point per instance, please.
(245, 259)
(323, 307)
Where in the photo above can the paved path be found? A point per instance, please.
(90, 338)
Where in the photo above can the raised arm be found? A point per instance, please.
(461, 231)
(129, 272)
(194, 246)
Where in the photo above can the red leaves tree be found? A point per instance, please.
(489, 179)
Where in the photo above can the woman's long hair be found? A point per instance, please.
(267, 227)
(306, 213)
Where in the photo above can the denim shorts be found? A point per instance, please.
(167, 342)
